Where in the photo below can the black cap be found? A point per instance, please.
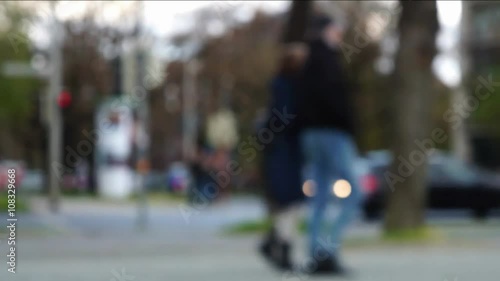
(320, 22)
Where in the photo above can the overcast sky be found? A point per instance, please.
(447, 65)
(164, 18)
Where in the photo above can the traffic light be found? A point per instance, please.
(64, 99)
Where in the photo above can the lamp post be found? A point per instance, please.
(189, 101)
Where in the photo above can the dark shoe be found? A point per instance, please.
(266, 247)
(330, 266)
(276, 252)
(283, 258)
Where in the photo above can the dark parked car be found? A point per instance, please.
(451, 183)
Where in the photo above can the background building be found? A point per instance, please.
(482, 41)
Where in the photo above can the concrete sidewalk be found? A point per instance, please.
(230, 259)
(100, 242)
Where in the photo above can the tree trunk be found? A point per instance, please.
(297, 21)
(414, 91)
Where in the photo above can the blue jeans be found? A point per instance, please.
(329, 155)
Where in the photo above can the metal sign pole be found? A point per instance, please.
(142, 132)
(54, 113)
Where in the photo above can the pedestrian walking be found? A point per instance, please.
(327, 141)
(282, 159)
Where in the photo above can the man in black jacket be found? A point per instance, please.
(327, 142)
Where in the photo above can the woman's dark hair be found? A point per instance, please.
(292, 59)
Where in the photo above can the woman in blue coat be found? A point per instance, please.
(282, 157)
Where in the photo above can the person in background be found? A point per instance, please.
(327, 141)
(199, 164)
(282, 159)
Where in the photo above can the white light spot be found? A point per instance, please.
(342, 189)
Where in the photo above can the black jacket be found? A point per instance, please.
(325, 99)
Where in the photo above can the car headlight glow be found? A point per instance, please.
(342, 189)
(309, 188)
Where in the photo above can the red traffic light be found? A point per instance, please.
(64, 99)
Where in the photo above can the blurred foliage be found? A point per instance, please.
(236, 68)
(4, 203)
(423, 234)
(487, 112)
(88, 74)
(14, 101)
(373, 89)
(162, 197)
(249, 227)
(245, 56)
(237, 65)
(19, 95)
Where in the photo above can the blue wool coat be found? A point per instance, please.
(282, 157)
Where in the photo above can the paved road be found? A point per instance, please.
(95, 242)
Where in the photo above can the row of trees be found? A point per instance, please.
(412, 90)
(243, 58)
(88, 50)
(19, 95)
(236, 67)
